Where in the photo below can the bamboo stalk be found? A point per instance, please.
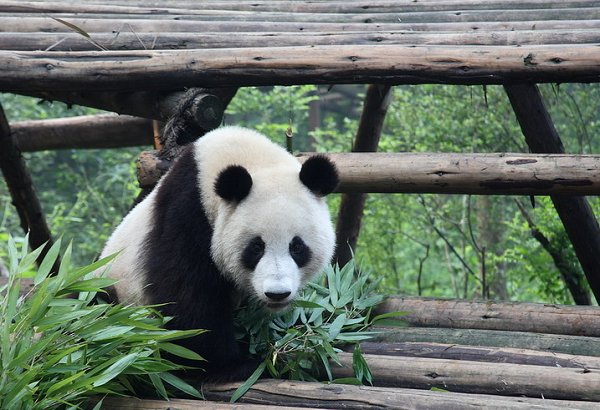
(526, 317)
(131, 70)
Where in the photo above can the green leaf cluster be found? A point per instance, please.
(58, 350)
(333, 311)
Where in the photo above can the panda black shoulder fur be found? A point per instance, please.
(236, 213)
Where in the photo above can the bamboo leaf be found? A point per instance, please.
(240, 391)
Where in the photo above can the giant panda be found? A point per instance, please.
(235, 215)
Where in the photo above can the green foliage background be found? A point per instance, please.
(432, 245)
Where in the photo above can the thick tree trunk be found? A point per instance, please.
(377, 100)
(576, 214)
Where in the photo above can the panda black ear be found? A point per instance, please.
(319, 175)
(233, 183)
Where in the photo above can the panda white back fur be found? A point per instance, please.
(236, 213)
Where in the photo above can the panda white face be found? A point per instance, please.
(271, 235)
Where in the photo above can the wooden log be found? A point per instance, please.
(485, 174)
(574, 345)
(137, 70)
(142, 25)
(206, 110)
(377, 100)
(526, 317)
(480, 354)
(173, 41)
(576, 214)
(475, 377)
(89, 131)
(130, 403)
(359, 6)
(66, 10)
(341, 396)
(20, 186)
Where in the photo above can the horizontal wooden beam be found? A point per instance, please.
(480, 354)
(173, 41)
(356, 7)
(163, 69)
(205, 111)
(342, 396)
(574, 345)
(476, 377)
(526, 317)
(89, 131)
(144, 25)
(480, 174)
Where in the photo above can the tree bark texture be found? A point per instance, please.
(476, 377)
(573, 345)
(25, 41)
(143, 24)
(20, 186)
(480, 174)
(168, 70)
(376, 103)
(526, 317)
(576, 214)
(480, 354)
(206, 109)
(341, 396)
(88, 131)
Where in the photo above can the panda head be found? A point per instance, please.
(273, 230)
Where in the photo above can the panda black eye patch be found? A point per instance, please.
(253, 252)
(299, 251)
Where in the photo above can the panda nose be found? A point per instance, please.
(276, 296)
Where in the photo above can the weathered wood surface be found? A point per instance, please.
(152, 70)
(527, 317)
(574, 345)
(339, 396)
(89, 131)
(476, 377)
(142, 25)
(130, 403)
(497, 174)
(26, 41)
(576, 213)
(480, 354)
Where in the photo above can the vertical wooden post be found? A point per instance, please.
(575, 212)
(21, 189)
(367, 138)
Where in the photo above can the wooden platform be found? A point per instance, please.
(463, 362)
